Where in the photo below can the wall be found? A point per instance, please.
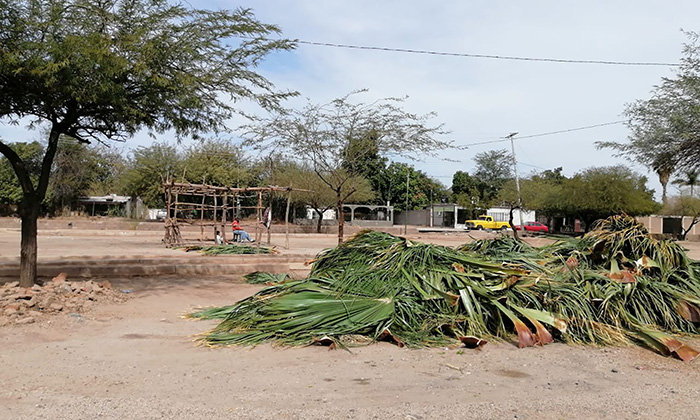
(501, 214)
(655, 224)
(415, 217)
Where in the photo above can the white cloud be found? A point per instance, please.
(480, 98)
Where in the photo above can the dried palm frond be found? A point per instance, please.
(227, 249)
(615, 286)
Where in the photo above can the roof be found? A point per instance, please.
(106, 199)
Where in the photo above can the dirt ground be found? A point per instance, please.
(137, 360)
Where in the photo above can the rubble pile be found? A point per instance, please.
(19, 305)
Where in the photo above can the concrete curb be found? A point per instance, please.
(228, 265)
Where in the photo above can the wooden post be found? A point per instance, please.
(201, 219)
(175, 208)
(169, 199)
(286, 220)
(270, 216)
(223, 217)
(258, 233)
(215, 204)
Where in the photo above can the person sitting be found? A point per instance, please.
(219, 238)
(239, 233)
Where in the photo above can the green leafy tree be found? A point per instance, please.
(551, 175)
(97, 70)
(319, 196)
(589, 195)
(10, 188)
(545, 191)
(597, 193)
(466, 191)
(532, 192)
(419, 191)
(216, 161)
(493, 169)
(364, 159)
(148, 169)
(664, 129)
(689, 179)
(111, 170)
(326, 137)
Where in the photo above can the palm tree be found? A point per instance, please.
(664, 166)
(689, 179)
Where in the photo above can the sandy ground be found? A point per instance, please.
(137, 360)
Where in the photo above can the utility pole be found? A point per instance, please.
(517, 180)
(405, 220)
(432, 217)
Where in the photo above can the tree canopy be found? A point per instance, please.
(665, 129)
(592, 194)
(103, 70)
(319, 196)
(335, 138)
(10, 188)
(417, 194)
(493, 169)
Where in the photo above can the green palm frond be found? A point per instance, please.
(615, 286)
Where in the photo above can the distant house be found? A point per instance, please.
(312, 214)
(111, 205)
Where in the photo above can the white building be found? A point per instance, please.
(312, 214)
(502, 214)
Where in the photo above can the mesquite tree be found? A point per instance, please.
(665, 129)
(99, 70)
(333, 138)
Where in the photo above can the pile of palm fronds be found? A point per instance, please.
(227, 249)
(615, 286)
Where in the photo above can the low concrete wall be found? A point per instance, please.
(222, 265)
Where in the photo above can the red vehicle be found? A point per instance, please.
(533, 227)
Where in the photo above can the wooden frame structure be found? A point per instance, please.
(222, 199)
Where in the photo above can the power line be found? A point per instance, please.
(571, 129)
(490, 56)
(503, 139)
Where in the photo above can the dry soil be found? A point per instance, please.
(137, 360)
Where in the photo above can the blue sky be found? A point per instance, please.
(482, 99)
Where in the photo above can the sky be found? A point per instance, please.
(478, 99)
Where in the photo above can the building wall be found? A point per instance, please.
(502, 214)
(655, 223)
(327, 215)
(415, 217)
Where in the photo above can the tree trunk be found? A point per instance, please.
(31, 203)
(341, 217)
(320, 222)
(512, 226)
(663, 179)
(29, 213)
(684, 232)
